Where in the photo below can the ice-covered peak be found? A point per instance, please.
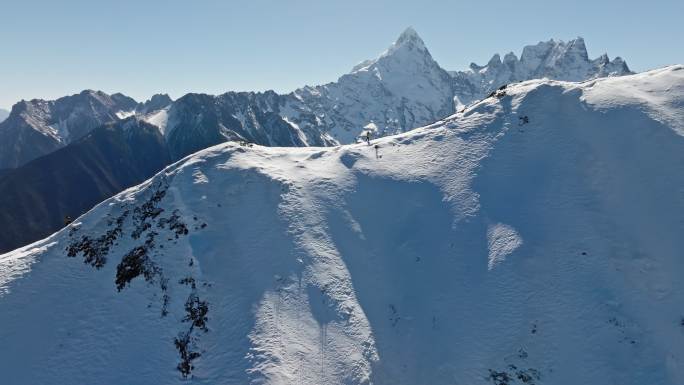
(534, 54)
(408, 47)
(356, 264)
(554, 54)
(553, 59)
(409, 37)
(408, 41)
(577, 47)
(401, 89)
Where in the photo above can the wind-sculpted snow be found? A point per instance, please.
(482, 249)
(502, 240)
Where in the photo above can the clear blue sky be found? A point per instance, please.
(52, 48)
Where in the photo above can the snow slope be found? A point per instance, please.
(472, 251)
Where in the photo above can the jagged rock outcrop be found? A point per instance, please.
(402, 89)
(477, 250)
(155, 103)
(552, 59)
(197, 121)
(38, 127)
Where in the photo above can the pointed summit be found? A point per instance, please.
(408, 47)
(577, 47)
(409, 34)
(409, 38)
(495, 60)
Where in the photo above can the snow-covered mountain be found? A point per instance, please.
(551, 59)
(197, 121)
(534, 238)
(156, 103)
(3, 114)
(402, 89)
(38, 127)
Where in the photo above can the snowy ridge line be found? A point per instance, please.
(403, 88)
(484, 248)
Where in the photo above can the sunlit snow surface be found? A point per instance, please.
(459, 253)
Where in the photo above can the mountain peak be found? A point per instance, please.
(407, 45)
(409, 34)
(409, 38)
(94, 93)
(495, 60)
(156, 102)
(577, 46)
(388, 219)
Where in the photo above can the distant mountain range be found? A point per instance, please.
(484, 249)
(38, 127)
(402, 89)
(3, 114)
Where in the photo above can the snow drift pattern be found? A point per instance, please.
(370, 264)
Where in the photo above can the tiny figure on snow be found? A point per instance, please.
(523, 120)
(368, 137)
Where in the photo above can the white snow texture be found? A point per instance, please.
(471, 250)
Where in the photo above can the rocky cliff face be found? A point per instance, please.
(479, 250)
(39, 127)
(197, 121)
(551, 59)
(402, 89)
